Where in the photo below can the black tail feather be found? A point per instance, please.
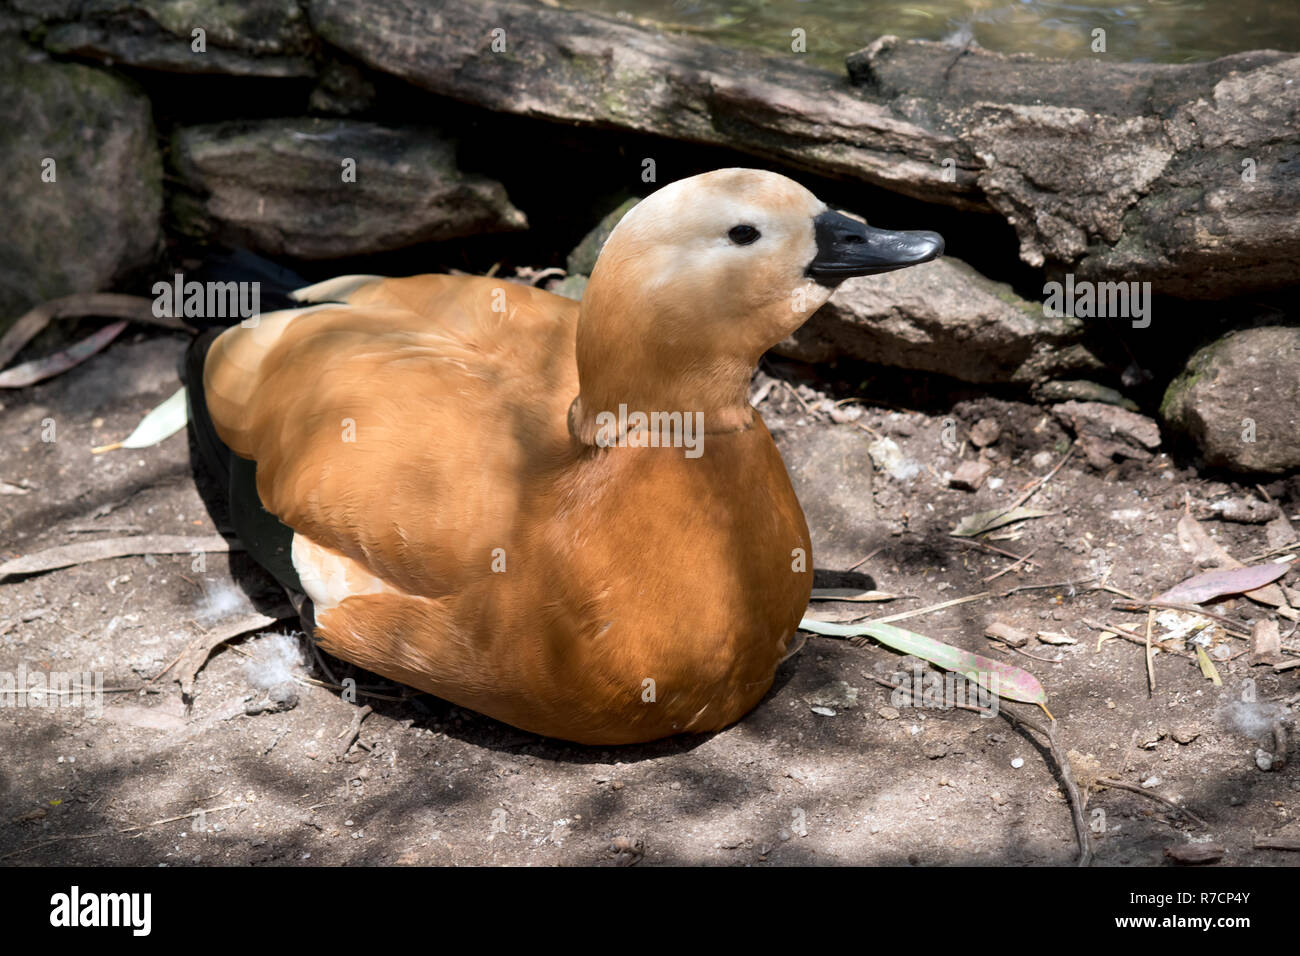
(266, 539)
(274, 282)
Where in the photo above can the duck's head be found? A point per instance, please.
(706, 274)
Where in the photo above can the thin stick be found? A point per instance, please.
(1130, 636)
(795, 392)
(867, 558)
(1276, 843)
(1009, 568)
(313, 682)
(1268, 554)
(1121, 785)
(868, 429)
(183, 816)
(795, 650)
(109, 833)
(1063, 766)
(1032, 657)
(320, 661)
(942, 605)
(1151, 670)
(933, 607)
(350, 735)
(996, 550)
(1227, 623)
(1038, 483)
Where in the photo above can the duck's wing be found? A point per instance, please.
(400, 427)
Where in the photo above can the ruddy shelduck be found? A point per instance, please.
(563, 515)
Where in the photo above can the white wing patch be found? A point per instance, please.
(334, 289)
(329, 578)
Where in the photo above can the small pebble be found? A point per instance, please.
(1018, 762)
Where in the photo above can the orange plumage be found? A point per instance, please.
(434, 443)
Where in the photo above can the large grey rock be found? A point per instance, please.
(1239, 400)
(251, 37)
(1121, 171)
(943, 317)
(101, 216)
(277, 186)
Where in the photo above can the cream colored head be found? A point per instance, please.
(702, 277)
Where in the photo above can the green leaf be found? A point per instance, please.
(982, 521)
(1005, 680)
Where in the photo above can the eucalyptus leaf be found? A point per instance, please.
(982, 521)
(1005, 680)
(161, 423)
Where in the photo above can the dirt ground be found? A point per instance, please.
(427, 783)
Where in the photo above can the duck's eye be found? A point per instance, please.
(742, 235)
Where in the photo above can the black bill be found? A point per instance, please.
(847, 247)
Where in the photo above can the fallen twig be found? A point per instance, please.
(83, 552)
(996, 550)
(1073, 796)
(866, 559)
(1151, 667)
(133, 308)
(349, 736)
(1276, 843)
(1038, 483)
(115, 832)
(1136, 639)
(1009, 568)
(1121, 785)
(1240, 630)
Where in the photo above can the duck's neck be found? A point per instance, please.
(624, 370)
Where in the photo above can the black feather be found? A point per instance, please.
(266, 539)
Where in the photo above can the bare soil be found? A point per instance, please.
(428, 783)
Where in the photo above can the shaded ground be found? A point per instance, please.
(429, 783)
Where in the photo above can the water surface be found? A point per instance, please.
(1160, 31)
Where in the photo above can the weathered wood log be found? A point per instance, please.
(584, 68)
(1181, 175)
(1112, 171)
